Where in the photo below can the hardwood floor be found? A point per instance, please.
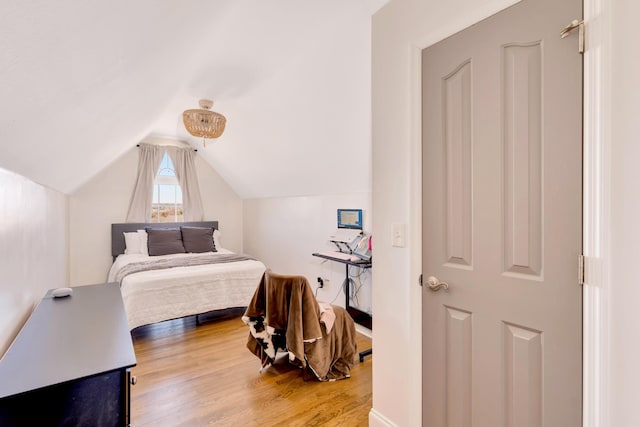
(190, 375)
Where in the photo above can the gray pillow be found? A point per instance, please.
(164, 241)
(198, 239)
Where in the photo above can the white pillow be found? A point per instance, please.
(132, 242)
(136, 242)
(216, 239)
(144, 247)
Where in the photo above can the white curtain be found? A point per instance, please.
(185, 167)
(149, 160)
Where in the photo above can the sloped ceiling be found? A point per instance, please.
(81, 82)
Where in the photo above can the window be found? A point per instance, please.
(167, 194)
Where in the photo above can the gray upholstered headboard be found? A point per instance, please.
(117, 238)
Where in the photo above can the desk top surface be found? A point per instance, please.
(68, 338)
(361, 264)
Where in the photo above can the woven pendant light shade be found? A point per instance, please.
(204, 123)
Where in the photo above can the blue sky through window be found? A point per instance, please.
(166, 166)
(167, 189)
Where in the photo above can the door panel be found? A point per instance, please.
(502, 172)
(459, 361)
(457, 139)
(523, 367)
(522, 100)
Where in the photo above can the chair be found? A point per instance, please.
(285, 315)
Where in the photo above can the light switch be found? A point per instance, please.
(398, 234)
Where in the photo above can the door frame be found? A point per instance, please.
(596, 212)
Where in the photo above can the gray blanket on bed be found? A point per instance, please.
(164, 263)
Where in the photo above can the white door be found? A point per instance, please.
(502, 168)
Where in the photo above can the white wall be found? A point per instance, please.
(283, 232)
(400, 30)
(105, 200)
(33, 249)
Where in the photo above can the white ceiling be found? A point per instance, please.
(84, 81)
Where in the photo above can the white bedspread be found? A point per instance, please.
(157, 295)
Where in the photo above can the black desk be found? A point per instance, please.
(361, 317)
(69, 365)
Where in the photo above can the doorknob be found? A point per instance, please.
(435, 285)
(572, 26)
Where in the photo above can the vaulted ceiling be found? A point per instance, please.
(81, 82)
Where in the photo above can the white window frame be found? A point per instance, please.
(166, 180)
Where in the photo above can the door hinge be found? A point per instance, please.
(579, 24)
(420, 279)
(582, 274)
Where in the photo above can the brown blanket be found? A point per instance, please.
(284, 313)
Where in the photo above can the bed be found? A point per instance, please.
(158, 286)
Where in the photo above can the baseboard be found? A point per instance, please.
(364, 331)
(376, 419)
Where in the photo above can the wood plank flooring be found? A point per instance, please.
(190, 375)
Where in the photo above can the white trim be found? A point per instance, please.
(376, 419)
(364, 331)
(596, 212)
(415, 224)
(166, 180)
